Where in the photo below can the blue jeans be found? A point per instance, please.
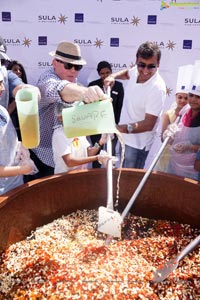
(134, 158)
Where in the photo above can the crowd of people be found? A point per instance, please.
(137, 111)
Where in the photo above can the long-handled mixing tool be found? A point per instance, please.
(107, 214)
(117, 227)
(162, 273)
(113, 223)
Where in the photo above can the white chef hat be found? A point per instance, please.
(195, 79)
(184, 78)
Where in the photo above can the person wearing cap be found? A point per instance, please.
(14, 159)
(144, 97)
(171, 115)
(104, 69)
(186, 140)
(58, 85)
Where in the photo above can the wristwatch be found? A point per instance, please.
(97, 145)
(130, 128)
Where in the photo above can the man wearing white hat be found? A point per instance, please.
(58, 85)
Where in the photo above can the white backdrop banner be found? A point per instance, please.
(108, 30)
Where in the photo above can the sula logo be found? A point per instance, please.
(187, 44)
(114, 42)
(79, 18)
(42, 40)
(6, 16)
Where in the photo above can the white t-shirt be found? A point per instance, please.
(139, 99)
(63, 145)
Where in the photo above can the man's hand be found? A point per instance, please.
(93, 94)
(109, 81)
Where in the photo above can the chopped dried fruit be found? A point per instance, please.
(68, 259)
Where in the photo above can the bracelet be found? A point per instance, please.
(97, 145)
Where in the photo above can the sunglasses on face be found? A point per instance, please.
(69, 66)
(143, 66)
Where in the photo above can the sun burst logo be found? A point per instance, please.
(62, 19)
(168, 91)
(98, 43)
(170, 45)
(26, 42)
(135, 21)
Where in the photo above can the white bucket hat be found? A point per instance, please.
(68, 52)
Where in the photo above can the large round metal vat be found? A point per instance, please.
(41, 201)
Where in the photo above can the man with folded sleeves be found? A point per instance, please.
(58, 85)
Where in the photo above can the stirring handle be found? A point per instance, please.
(147, 174)
(189, 247)
(144, 179)
(109, 174)
(109, 167)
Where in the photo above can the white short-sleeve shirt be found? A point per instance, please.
(63, 145)
(139, 99)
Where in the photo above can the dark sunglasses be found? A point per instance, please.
(69, 66)
(143, 65)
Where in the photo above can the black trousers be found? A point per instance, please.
(94, 139)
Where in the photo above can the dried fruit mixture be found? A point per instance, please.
(68, 259)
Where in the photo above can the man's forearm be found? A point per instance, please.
(123, 74)
(73, 92)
